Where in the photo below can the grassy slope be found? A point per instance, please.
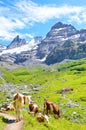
(72, 75)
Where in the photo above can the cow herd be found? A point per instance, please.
(19, 100)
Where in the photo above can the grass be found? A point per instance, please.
(72, 74)
(54, 124)
(2, 123)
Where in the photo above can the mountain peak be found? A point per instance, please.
(17, 38)
(17, 41)
(61, 25)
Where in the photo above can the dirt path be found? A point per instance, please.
(11, 124)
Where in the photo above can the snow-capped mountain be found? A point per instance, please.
(18, 49)
(63, 41)
(2, 47)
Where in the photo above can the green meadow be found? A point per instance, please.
(51, 80)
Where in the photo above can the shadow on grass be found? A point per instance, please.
(8, 121)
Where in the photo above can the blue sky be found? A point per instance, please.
(30, 18)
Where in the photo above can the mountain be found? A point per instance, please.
(17, 42)
(19, 51)
(2, 47)
(63, 41)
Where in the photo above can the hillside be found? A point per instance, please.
(47, 82)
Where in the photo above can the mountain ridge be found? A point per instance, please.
(63, 41)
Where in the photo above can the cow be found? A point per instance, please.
(42, 118)
(65, 90)
(33, 107)
(68, 89)
(10, 107)
(51, 108)
(7, 106)
(18, 101)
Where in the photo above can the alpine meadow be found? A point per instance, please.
(43, 82)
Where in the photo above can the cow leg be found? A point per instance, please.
(17, 116)
(21, 114)
(59, 114)
(45, 111)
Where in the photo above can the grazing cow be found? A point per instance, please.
(67, 89)
(18, 101)
(33, 107)
(52, 108)
(10, 107)
(42, 118)
(6, 107)
(64, 90)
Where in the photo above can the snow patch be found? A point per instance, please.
(31, 45)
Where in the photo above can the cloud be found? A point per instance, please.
(21, 15)
(43, 13)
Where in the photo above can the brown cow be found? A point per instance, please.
(33, 107)
(42, 118)
(18, 101)
(51, 108)
(65, 90)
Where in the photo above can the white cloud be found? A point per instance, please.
(38, 13)
(75, 18)
(28, 35)
(83, 17)
(23, 14)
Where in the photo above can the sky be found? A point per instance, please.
(31, 18)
